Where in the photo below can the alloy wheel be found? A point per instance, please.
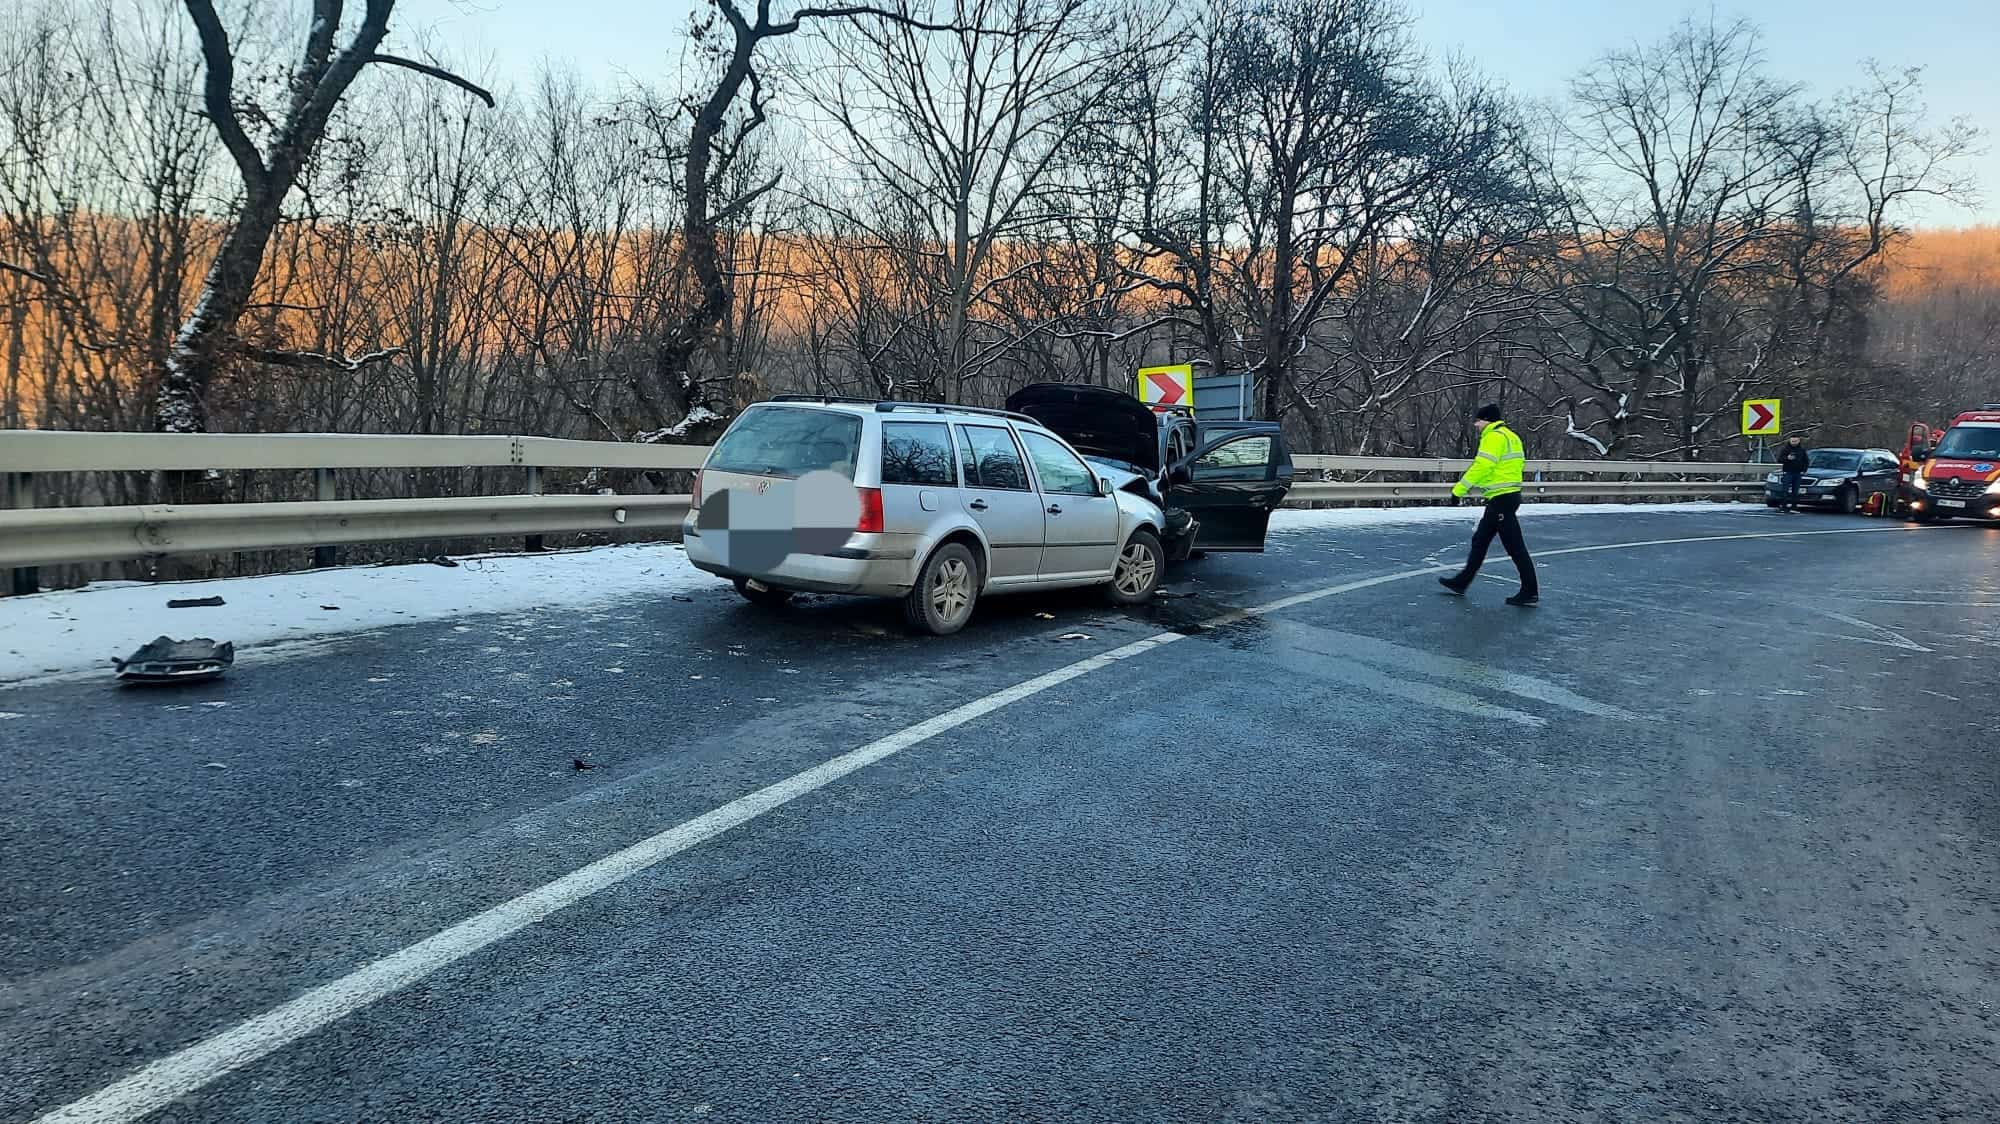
(1136, 567)
(951, 589)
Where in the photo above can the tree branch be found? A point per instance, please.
(218, 93)
(315, 360)
(39, 278)
(437, 73)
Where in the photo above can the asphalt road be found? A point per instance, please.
(1711, 834)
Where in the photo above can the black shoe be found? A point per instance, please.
(1524, 599)
(1457, 588)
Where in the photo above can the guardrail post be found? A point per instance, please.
(325, 491)
(534, 543)
(21, 493)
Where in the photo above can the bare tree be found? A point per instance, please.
(317, 84)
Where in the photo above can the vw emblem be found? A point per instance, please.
(763, 486)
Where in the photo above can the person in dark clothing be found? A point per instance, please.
(1793, 460)
(1496, 474)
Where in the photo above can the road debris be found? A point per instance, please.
(1074, 636)
(167, 660)
(578, 764)
(196, 603)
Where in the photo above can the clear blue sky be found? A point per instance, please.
(1534, 45)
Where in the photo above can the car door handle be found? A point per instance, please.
(977, 505)
(1055, 509)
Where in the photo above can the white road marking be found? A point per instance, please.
(1354, 647)
(1895, 639)
(162, 1082)
(1945, 604)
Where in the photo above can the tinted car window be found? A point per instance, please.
(1059, 469)
(917, 453)
(1832, 460)
(1245, 458)
(788, 441)
(991, 460)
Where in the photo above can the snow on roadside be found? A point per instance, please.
(74, 633)
(1293, 520)
(62, 633)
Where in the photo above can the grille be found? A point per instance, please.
(1957, 489)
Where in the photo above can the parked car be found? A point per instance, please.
(1217, 481)
(954, 503)
(1843, 479)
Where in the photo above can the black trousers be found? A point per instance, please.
(1502, 517)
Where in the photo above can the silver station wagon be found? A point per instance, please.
(934, 505)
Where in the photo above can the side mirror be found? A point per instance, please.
(1180, 474)
(1104, 485)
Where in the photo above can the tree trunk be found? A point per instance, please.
(196, 355)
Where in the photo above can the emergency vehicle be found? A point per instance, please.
(1958, 476)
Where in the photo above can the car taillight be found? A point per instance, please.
(694, 497)
(871, 512)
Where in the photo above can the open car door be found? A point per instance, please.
(1231, 482)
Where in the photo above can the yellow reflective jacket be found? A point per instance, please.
(1496, 471)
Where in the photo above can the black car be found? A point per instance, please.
(1217, 481)
(1842, 479)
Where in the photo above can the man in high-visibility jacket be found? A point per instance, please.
(1495, 475)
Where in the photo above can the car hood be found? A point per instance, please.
(1101, 423)
(1963, 470)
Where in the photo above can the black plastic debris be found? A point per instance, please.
(167, 660)
(195, 603)
(578, 764)
(441, 560)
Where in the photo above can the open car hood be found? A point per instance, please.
(1099, 422)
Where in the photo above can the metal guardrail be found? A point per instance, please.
(44, 536)
(1341, 491)
(36, 450)
(1311, 462)
(34, 536)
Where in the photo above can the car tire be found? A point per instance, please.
(769, 597)
(1136, 575)
(1850, 498)
(946, 590)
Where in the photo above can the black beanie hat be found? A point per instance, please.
(1488, 412)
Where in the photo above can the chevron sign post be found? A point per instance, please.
(1760, 417)
(1167, 386)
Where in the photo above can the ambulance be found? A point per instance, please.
(1959, 477)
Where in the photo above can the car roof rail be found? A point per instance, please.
(941, 408)
(828, 399)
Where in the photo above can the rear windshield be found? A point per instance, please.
(1835, 459)
(789, 441)
(1970, 442)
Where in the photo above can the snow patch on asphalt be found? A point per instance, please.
(74, 633)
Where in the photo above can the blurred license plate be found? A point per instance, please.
(1951, 503)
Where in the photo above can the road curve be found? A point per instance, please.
(1709, 835)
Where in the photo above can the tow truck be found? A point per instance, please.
(1958, 469)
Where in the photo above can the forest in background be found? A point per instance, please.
(946, 203)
